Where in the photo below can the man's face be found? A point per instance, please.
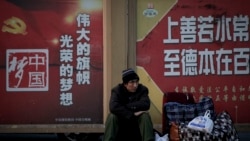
(132, 85)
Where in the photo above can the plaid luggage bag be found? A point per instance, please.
(183, 98)
(182, 114)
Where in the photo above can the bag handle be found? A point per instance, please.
(207, 114)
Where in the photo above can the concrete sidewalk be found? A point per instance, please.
(244, 136)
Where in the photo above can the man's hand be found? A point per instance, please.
(139, 113)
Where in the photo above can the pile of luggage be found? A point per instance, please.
(187, 120)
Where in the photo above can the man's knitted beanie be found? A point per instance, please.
(129, 74)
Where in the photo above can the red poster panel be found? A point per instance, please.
(51, 62)
(201, 47)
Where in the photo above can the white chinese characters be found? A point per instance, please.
(27, 70)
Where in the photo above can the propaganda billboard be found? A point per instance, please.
(51, 61)
(200, 47)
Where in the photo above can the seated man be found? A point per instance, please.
(128, 105)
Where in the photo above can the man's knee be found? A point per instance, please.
(145, 117)
(112, 118)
